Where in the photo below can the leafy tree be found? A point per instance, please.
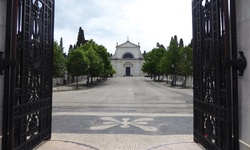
(176, 60)
(77, 63)
(102, 51)
(148, 66)
(96, 63)
(152, 61)
(102, 58)
(58, 61)
(166, 64)
(185, 63)
(112, 72)
(174, 50)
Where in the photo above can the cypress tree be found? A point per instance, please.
(80, 38)
(61, 43)
(181, 44)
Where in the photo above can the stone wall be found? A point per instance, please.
(3, 5)
(243, 42)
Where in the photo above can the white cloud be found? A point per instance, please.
(111, 21)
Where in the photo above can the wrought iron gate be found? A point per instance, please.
(28, 83)
(214, 111)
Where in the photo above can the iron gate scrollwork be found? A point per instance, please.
(29, 105)
(213, 121)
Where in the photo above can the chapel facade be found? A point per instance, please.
(127, 60)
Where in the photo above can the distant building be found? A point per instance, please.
(127, 60)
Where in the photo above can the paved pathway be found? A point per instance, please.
(123, 114)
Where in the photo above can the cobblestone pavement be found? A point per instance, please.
(124, 114)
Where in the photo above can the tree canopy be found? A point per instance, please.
(58, 61)
(177, 59)
(100, 65)
(77, 63)
(152, 59)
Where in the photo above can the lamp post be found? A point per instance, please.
(88, 76)
(172, 75)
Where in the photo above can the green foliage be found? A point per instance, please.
(102, 51)
(100, 65)
(166, 64)
(152, 64)
(186, 61)
(58, 61)
(96, 63)
(88, 58)
(112, 72)
(77, 63)
(173, 49)
(176, 59)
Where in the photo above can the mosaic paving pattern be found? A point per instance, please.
(167, 125)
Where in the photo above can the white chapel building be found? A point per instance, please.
(127, 60)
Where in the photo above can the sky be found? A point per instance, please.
(109, 22)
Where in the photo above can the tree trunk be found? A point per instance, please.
(174, 79)
(72, 79)
(184, 84)
(77, 82)
(91, 80)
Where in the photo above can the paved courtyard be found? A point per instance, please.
(128, 113)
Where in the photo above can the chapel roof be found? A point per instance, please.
(128, 44)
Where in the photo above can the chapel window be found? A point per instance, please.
(127, 56)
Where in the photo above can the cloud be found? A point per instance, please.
(110, 21)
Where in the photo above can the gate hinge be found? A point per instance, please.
(4, 63)
(240, 63)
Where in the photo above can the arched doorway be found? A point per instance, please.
(128, 67)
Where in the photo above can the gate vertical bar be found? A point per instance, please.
(235, 75)
(7, 79)
(9, 82)
(227, 53)
(51, 39)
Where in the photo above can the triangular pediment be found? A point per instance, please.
(128, 44)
